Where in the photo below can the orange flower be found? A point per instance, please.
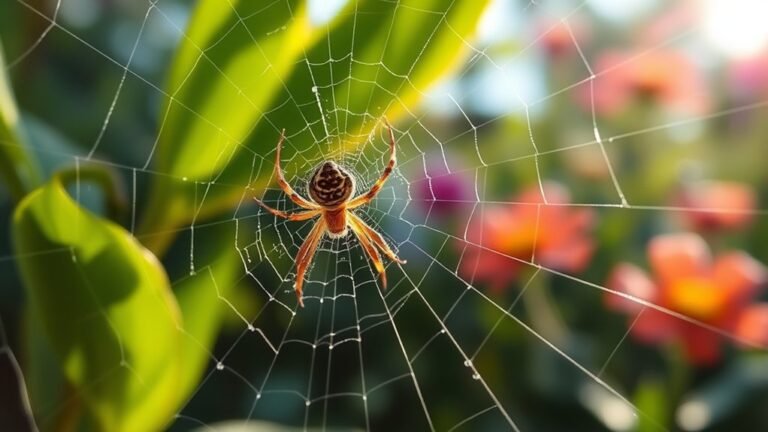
(716, 205)
(686, 280)
(502, 238)
(667, 78)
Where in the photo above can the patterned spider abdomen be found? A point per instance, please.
(331, 185)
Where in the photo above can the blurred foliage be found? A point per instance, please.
(126, 346)
(17, 167)
(218, 125)
(92, 297)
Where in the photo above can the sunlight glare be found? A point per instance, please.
(323, 11)
(736, 27)
(622, 11)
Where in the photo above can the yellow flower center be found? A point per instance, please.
(697, 298)
(516, 242)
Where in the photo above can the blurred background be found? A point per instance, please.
(580, 196)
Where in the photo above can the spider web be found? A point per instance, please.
(434, 351)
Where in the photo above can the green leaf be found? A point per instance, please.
(651, 398)
(261, 426)
(107, 312)
(199, 299)
(17, 167)
(247, 71)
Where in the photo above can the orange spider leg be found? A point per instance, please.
(292, 194)
(377, 239)
(368, 196)
(305, 255)
(369, 249)
(299, 216)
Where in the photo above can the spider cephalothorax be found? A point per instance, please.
(330, 189)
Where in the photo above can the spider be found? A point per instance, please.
(330, 189)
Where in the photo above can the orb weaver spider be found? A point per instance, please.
(330, 189)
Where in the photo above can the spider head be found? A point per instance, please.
(331, 185)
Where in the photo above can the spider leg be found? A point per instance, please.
(305, 255)
(368, 196)
(298, 216)
(377, 239)
(371, 251)
(292, 194)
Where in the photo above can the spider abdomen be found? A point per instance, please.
(336, 221)
(331, 185)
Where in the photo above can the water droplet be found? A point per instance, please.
(258, 395)
(184, 179)
(251, 328)
(467, 363)
(220, 366)
(330, 347)
(307, 403)
(365, 397)
(314, 89)
(476, 376)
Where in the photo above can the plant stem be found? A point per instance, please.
(543, 316)
(69, 417)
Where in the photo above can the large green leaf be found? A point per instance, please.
(105, 308)
(199, 298)
(17, 168)
(236, 83)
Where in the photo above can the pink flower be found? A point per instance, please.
(667, 78)
(555, 38)
(721, 205)
(748, 78)
(443, 194)
(502, 238)
(686, 280)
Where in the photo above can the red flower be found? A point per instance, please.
(502, 238)
(667, 78)
(687, 281)
(716, 205)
